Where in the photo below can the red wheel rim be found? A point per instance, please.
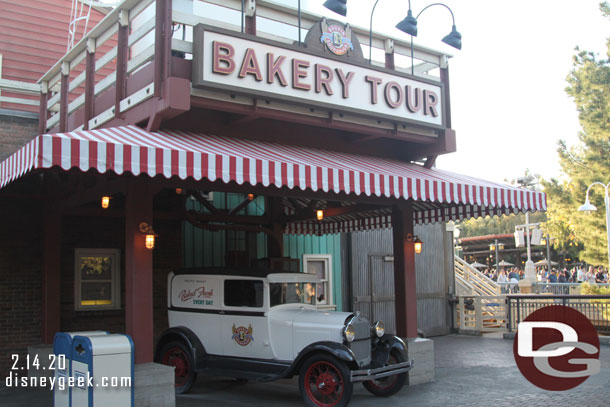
(324, 384)
(386, 383)
(179, 360)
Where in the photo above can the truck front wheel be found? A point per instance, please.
(324, 381)
(176, 354)
(387, 386)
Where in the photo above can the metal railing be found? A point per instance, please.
(595, 307)
(546, 288)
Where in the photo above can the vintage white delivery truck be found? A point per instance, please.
(261, 325)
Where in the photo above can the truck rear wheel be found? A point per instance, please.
(176, 354)
(390, 385)
(324, 381)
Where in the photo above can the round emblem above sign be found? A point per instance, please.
(337, 39)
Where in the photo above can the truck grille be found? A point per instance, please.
(361, 346)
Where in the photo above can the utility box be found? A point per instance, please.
(62, 365)
(102, 368)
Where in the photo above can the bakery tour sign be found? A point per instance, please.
(329, 72)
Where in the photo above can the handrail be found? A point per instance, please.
(484, 285)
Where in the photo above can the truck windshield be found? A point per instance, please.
(292, 293)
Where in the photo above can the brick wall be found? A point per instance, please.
(20, 279)
(15, 131)
(20, 274)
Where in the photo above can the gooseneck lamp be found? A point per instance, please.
(338, 6)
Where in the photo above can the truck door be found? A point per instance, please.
(244, 326)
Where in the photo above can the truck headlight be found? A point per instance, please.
(379, 329)
(349, 332)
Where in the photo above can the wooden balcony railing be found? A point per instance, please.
(90, 86)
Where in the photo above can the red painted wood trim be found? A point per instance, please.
(163, 44)
(404, 271)
(63, 103)
(139, 270)
(89, 89)
(251, 24)
(51, 270)
(121, 68)
(447, 105)
(389, 61)
(42, 113)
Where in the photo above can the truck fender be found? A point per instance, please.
(185, 335)
(384, 345)
(336, 349)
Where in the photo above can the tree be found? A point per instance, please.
(586, 162)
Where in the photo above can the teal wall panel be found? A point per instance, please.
(204, 248)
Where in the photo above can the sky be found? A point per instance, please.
(515, 58)
(509, 107)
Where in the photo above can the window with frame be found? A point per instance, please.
(97, 279)
(321, 265)
(243, 293)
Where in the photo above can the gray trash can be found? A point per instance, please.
(102, 368)
(62, 349)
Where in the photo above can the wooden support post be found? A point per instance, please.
(389, 54)
(447, 97)
(404, 270)
(251, 24)
(121, 61)
(139, 270)
(275, 240)
(51, 256)
(42, 112)
(89, 83)
(63, 97)
(163, 38)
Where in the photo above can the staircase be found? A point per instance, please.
(470, 281)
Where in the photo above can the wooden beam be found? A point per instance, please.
(51, 265)
(404, 270)
(330, 212)
(206, 204)
(121, 61)
(241, 206)
(139, 271)
(219, 217)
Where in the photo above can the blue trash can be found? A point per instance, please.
(62, 348)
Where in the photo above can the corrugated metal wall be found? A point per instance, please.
(370, 252)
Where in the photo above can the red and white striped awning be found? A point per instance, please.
(437, 195)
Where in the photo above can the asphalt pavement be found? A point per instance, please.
(470, 371)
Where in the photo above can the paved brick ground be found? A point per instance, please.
(470, 371)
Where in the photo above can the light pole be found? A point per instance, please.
(589, 207)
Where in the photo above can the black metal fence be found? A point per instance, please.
(594, 307)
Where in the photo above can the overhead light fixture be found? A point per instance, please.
(150, 235)
(408, 25)
(250, 197)
(320, 214)
(338, 6)
(179, 191)
(587, 206)
(454, 38)
(105, 202)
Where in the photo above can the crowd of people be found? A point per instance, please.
(580, 274)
